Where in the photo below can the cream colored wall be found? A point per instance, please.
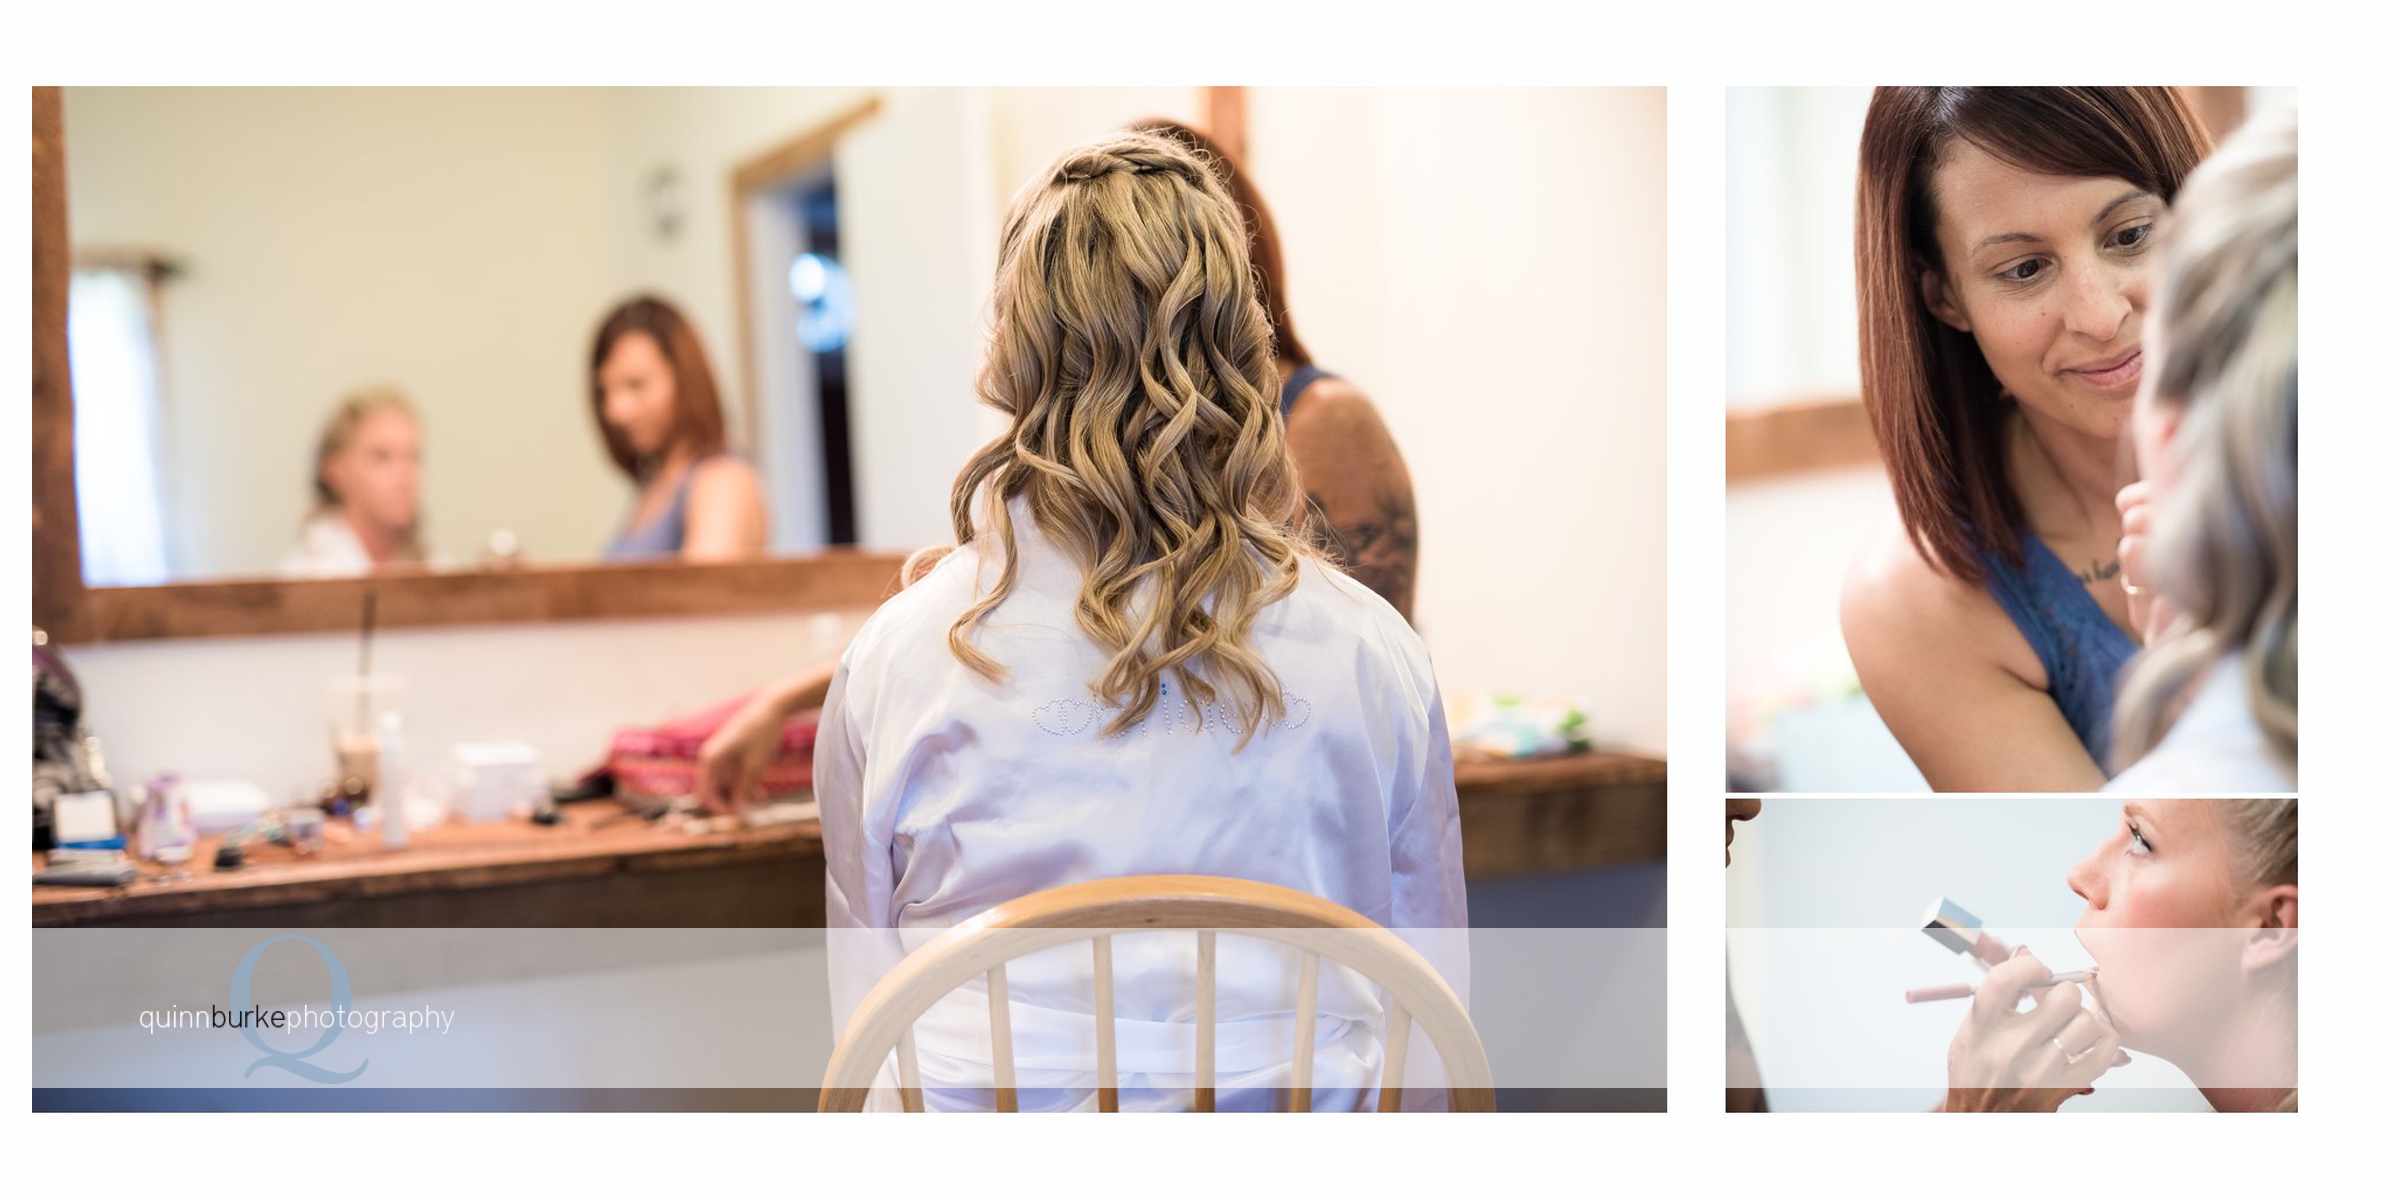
(1490, 266)
(438, 240)
(1032, 126)
(1789, 543)
(255, 708)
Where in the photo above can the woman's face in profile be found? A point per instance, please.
(2049, 274)
(376, 474)
(2161, 920)
(637, 393)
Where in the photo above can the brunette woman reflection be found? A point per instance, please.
(366, 490)
(656, 403)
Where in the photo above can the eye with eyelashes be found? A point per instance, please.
(2136, 843)
(2129, 241)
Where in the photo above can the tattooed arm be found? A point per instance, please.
(1360, 504)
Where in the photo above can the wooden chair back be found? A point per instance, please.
(1206, 905)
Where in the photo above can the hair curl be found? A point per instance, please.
(1136, 368)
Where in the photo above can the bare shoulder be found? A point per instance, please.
(725, 475)
(1899, 612)
(1335, 406)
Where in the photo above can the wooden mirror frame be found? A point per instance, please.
(72, 612)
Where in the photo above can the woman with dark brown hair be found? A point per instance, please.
(656, 403)
(2003, 262)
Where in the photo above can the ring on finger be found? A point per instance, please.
(2072, 1057)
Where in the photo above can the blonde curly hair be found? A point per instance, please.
(1136, 367)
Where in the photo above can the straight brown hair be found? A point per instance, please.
(1266, 250)
(1936, 408)
(699, 418)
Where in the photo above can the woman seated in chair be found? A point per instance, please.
(1134, 662)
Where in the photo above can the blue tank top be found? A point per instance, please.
(663, 537)
(2082, 651)
(1304, 375)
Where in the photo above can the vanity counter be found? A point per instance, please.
(599, 868)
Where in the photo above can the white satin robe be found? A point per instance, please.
(943, 794)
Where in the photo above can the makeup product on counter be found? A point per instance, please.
(498, 779)
(1960, 991)
(303, 828)
(87, 874)
(164, 833)
(356, 705)
(1960, 930)
(224, 805)
(86, 820)
(389, 799)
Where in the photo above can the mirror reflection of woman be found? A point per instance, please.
(2004, 242)
(368, 463)
(2212, 533)
(656, 403)
(2192, 918)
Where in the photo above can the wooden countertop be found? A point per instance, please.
(1517, 818)
(452, 857)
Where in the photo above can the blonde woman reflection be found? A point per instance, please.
(365, 488)
(2192, 917)
(2212, 533)
(1134, 664)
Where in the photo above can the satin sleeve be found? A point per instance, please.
(860, 944)
(1429, 888)
(1429, 881)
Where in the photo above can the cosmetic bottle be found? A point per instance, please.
(391, 784)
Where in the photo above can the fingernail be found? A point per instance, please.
(2124, 1059)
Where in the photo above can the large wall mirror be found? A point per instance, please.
(322, 341)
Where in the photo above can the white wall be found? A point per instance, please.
(255, 708)
(1489, 265)
(1791, 174)
(1032, 126)
(438, 240)
(1792, 698)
